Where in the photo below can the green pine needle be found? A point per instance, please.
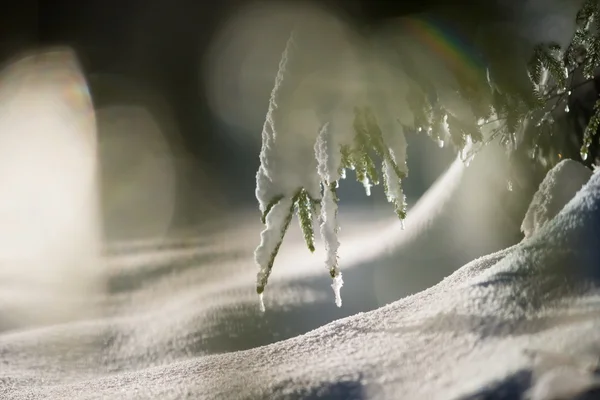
(587, 13)
(263, 278)
(509, 106)
(592, 60)
(590, 130)
(304, 207)
(272, 203)
(400, 208)
(548, 56)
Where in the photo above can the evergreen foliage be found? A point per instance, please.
(525, 120)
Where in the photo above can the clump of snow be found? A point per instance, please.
(337, 286)
(261, 302)
(558, 187)
(394, 192)
(312, 117)
(329, 167)
(277, 222)
(287, 161)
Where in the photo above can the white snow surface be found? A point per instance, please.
(187, 325)
(557, 188)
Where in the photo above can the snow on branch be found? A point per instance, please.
(305, 153)
(351, 111)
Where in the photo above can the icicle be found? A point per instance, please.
(329, 230)
(367, 184)
(445, 129)
(261, 303)
(394, 192)
(392, 182)
(328, 167)
(337, 284)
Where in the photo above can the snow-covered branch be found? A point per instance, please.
(306, 150)
(354, 110)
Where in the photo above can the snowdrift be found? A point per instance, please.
(523, 322)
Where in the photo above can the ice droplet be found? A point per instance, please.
(584, 155)
(567, 108)
(367, 186)
(261, 303)
(509, 186)
(337, 284)
(440, 143)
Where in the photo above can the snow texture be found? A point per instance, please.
(394, 193)
(329, 164)
(559, 186)
(180, 321)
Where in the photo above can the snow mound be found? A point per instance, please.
(505, 326)
(558, 187)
